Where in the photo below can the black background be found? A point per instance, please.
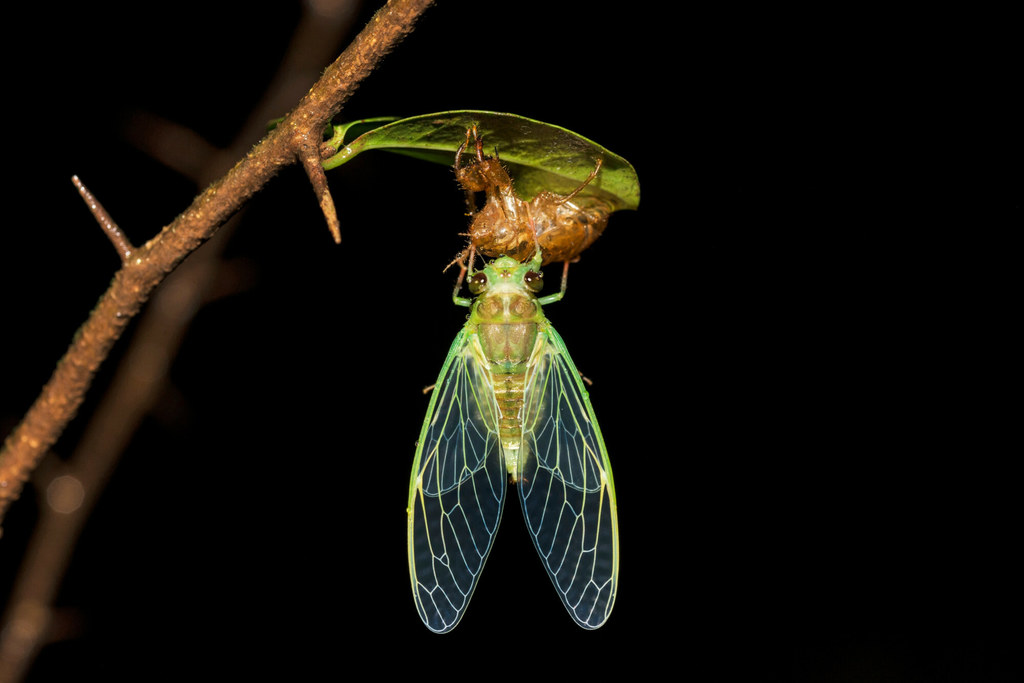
(805, 491)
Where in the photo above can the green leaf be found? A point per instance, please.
(539, 156)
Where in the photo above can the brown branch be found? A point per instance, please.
(135, 281)
(30, 618)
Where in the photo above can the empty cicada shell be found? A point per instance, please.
(561, 226)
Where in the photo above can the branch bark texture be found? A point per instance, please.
(150, 263)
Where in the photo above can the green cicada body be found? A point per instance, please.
(510, 405)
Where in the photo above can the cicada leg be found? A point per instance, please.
(551, 298)
(535, 264)
(593, 174)
(469, 192)
(465, 144)
(465, 261)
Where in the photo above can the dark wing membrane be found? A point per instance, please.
(566, 486)
(457, 488)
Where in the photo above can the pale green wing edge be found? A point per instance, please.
(456, 489)
(566, 490)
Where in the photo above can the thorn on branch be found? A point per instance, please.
(117, 238)
(310, 157)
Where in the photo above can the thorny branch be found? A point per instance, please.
(30, 618)
(150, 263)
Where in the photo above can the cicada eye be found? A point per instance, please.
(534, 280)
(477, 283)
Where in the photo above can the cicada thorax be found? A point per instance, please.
(560, 226)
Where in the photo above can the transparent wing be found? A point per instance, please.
(566, 486)
(457, 488)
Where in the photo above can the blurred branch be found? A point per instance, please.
(153, 261)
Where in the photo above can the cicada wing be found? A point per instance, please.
(566, 486)
(457, 488)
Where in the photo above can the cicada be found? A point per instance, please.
(509, 405)
(560, 226)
